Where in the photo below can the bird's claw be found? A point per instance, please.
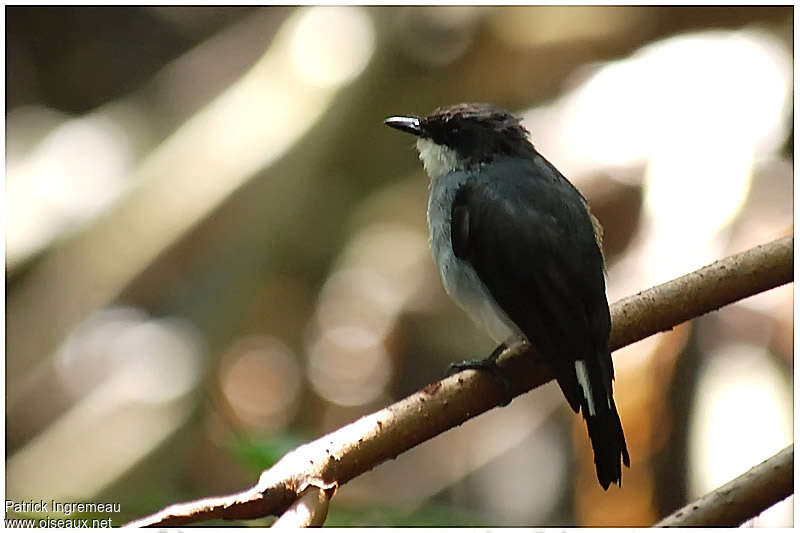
(488, 364)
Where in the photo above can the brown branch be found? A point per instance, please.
(309, 510)
(338, 457)
(716, 285)
(745, 497)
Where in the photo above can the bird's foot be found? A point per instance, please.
(488, 364)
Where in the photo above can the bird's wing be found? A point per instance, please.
(531, 242)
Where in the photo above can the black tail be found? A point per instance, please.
(608, 441)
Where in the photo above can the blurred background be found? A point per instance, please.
(215, 251)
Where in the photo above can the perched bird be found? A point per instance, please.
(518, 249)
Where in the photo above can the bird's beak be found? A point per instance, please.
(407, 124)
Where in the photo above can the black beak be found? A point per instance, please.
(407, 124)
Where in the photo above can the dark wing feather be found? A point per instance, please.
(530, 238)
(531, 242)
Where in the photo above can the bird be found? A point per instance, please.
(519, 250)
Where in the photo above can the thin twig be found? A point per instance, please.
(309, 510)
(745, 497)
(338, 457)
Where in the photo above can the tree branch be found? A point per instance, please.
(745, 497)
(721, 283)
(309, 510)
(338, 457)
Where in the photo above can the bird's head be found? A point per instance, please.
(464, 135)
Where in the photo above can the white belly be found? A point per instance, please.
(458, 277)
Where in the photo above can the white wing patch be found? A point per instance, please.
(583, 380)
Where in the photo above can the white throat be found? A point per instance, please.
(437, 159)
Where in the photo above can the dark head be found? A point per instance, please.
(464, 135)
